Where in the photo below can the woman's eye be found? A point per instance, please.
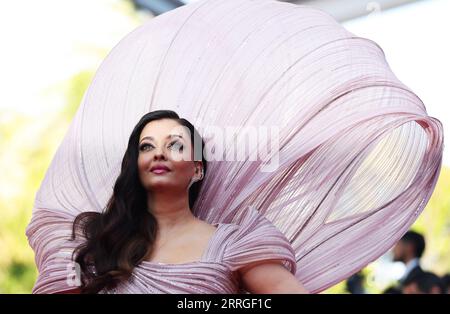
(176, 145)
(143, 147)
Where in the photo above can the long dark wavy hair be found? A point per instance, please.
(120, 237)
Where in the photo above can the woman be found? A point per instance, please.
(340, 193)
(149, 221)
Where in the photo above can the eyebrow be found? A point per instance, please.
(168, 136)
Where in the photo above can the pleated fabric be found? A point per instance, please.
(231, 247)
(358, 156)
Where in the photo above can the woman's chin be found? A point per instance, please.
(159, 184)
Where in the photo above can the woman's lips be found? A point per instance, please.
(160, 171)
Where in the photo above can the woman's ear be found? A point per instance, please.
(199, 170)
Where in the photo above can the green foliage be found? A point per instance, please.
(27, 147)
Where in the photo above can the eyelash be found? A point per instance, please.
(142, 147)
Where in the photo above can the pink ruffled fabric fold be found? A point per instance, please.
(255, 240)
(49, 234)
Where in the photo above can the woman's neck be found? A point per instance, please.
(170, 211)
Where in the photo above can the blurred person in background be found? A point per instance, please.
(408, 250)
(355, 283)
(446, 283)
(423, 283)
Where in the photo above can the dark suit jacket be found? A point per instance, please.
(413, 273)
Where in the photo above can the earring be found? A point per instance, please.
(194, 179)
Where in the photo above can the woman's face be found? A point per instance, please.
(166, 143)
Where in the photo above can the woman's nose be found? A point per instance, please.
(159, 154)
